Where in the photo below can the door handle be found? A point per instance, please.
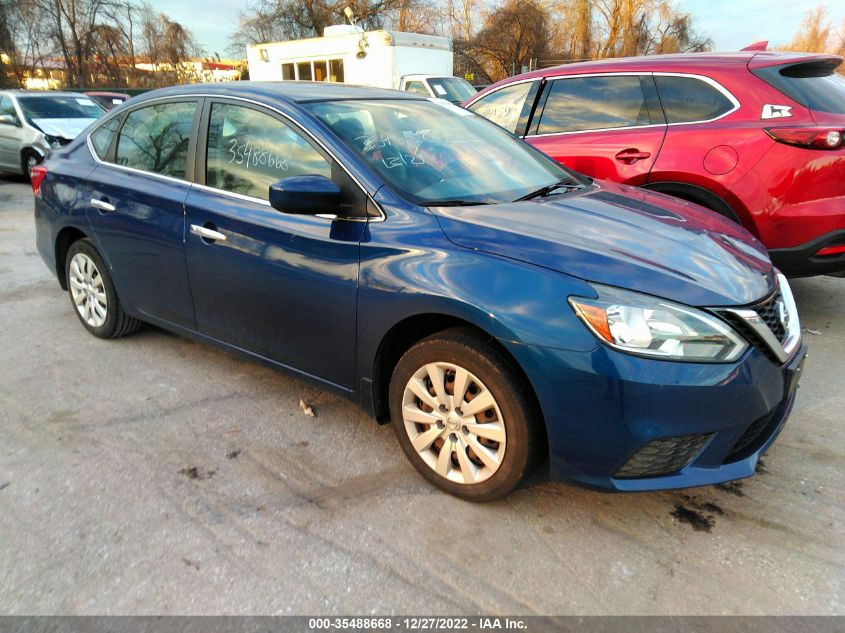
(102, 205)
(207, 234)
(632, 155)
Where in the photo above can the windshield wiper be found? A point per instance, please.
(568, 184)
(450, 203)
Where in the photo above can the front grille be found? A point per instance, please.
(770, 314)
(741, 326)
(752, 438)
(664, 456)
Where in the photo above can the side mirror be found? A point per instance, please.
(9, 119)
(306, 195)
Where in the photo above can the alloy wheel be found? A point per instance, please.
(454, 423)
(87, 290)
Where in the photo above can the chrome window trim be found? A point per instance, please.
(133, 170)
(712, 82)
(287, 117)
(266, 203)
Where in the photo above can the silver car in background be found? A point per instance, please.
(32, 123)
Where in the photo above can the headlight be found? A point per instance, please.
(650, 326)
(53, 141)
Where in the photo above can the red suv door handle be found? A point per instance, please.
(632, 155)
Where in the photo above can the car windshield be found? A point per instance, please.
(65, 107)
(432, 152)
(452, 89)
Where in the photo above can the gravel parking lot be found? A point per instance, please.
(157, 475)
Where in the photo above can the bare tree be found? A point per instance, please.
(27, 34)
(167, 46)
(278, 20)
(815, 34)
(415, 16)
(73, 26)
(512, 36)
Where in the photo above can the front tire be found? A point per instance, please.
(29, 159)
(463, 416)
(92, 293)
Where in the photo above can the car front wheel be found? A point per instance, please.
(93, 295)
(29, 159)
(463, 416)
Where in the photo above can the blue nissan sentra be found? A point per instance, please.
(500, 311)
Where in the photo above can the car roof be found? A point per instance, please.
(678, 62)
(96, 93)
(41, 93)
(291, 91)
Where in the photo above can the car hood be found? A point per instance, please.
(625, 237)
(63, 128)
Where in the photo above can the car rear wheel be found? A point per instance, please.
(93, 295)
(463, 417)
(29, 159)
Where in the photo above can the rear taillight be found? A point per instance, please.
(810, 137)
(36, 176)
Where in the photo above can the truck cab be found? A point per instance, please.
(453, 89)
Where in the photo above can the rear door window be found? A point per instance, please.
(155, 138)
(689, 99)
(504, 106)
(249, 150)
(578, 104)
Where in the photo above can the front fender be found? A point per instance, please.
(409, 268)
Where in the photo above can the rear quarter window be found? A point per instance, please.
(101, 138)
(689, 100)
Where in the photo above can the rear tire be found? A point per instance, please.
(92, 293)
(492, 445)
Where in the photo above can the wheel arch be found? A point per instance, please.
(66, 236)
(412, 329)
(32, 148)
(699, 195)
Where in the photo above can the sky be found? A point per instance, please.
(731, 24)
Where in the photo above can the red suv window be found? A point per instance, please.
(687, 99)
(594, 103)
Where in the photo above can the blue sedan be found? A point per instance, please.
(500, 311)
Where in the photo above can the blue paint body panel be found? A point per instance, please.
(319, 295)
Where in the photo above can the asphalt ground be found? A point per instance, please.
(154, 475)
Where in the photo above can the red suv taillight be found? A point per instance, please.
(810, 137)
(36, 176)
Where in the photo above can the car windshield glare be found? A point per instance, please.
(453, 89)
(54, 107)
(430, 151)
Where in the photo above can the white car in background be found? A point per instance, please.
(32, 123)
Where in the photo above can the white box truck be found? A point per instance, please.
(383, 59)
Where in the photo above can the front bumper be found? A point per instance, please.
(602, 407)
(802, 261)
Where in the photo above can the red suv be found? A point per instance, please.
(755, 136)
